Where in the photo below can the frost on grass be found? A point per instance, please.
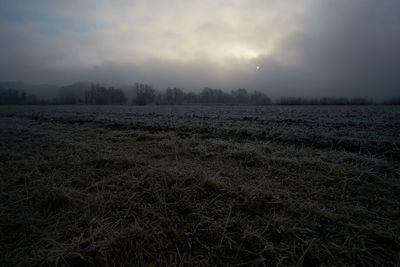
(199, 186)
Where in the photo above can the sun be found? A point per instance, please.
(258, 67)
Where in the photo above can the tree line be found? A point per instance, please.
(145, 94)
(325, 101)
(98, 95)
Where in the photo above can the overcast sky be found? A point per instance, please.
(302, 48)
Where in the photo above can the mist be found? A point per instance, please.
(308, 49)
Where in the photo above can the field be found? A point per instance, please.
(199, 185)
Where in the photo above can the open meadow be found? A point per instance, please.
(199, 185)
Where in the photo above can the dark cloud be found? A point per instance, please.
(349, 47)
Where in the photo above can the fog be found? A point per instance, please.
(308, 48)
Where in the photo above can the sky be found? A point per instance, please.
(307, 48)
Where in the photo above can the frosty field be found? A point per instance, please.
(199, 185)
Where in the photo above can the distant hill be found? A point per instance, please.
(74, 93)
(68, 94)
(42, 91)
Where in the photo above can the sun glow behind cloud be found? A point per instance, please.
(213, 31)
(89, 34)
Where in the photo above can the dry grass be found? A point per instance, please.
(85, 195)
